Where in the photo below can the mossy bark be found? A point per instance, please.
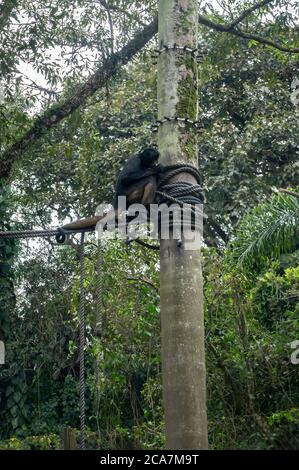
(183, 354)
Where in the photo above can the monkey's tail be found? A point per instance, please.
(91, 222)
(88, 222)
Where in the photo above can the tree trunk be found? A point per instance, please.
(69, 439)
(183, 354)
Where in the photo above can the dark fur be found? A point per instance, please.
(138, 178)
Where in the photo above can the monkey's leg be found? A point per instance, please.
(134, 195)
(91, 222)
(149, 193)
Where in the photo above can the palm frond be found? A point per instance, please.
(266, 232)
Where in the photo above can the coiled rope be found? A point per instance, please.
(186, 194)
(180, 192)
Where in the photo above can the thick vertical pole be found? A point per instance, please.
(183, 354)
(69, 439)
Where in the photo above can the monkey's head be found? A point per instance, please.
(149, 157)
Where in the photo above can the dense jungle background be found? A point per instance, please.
(248, 150)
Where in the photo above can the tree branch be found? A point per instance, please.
(110, 66)
(289, 192)
(248, 12)
(218, 230)
(59, 111)
(145, 281)
(231, 28)
(107, 8)
(262, 40)
(146, 245)
(124, 12)
(33, 84)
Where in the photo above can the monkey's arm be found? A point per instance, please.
(133, 176)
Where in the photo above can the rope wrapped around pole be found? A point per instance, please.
(81, 347)
(180, 192)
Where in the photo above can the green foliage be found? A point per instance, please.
(49, 442)
(269, 230)
(249, 144)
(284, 429)
(61, 40)
(249, 327)
(277, 296)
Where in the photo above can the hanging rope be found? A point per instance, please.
(61, 235)
(81, 347)
(99, 291)
(98, 328)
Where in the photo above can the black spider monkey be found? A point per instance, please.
(138, 178)
(137, 181)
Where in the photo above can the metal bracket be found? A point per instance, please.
(196, 124)
(198, 55)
